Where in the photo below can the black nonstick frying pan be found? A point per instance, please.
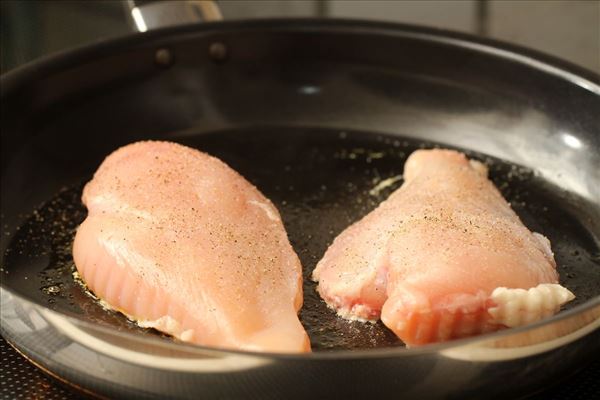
(316, 113)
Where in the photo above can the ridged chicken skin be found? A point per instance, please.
(178, 241)
(443, 257)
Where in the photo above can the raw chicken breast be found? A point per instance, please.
(178, 241)
(443, 257)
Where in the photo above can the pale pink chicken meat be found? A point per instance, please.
(443, 257)
(178, 241)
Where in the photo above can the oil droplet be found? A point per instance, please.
(53, 290)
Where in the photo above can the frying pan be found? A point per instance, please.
(316, 113)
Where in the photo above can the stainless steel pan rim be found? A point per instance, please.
(534, 59)
(481, 341)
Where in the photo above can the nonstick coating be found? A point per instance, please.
(321, 181)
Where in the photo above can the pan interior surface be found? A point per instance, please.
(321, 180)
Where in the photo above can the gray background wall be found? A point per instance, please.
(567, 29)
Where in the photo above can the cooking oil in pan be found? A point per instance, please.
(321, 181)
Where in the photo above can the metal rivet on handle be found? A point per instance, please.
(217, 51)
(163, 57)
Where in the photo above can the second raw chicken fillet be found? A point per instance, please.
(443, 257)
(178, 241)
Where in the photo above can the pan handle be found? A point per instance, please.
(153, 14)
